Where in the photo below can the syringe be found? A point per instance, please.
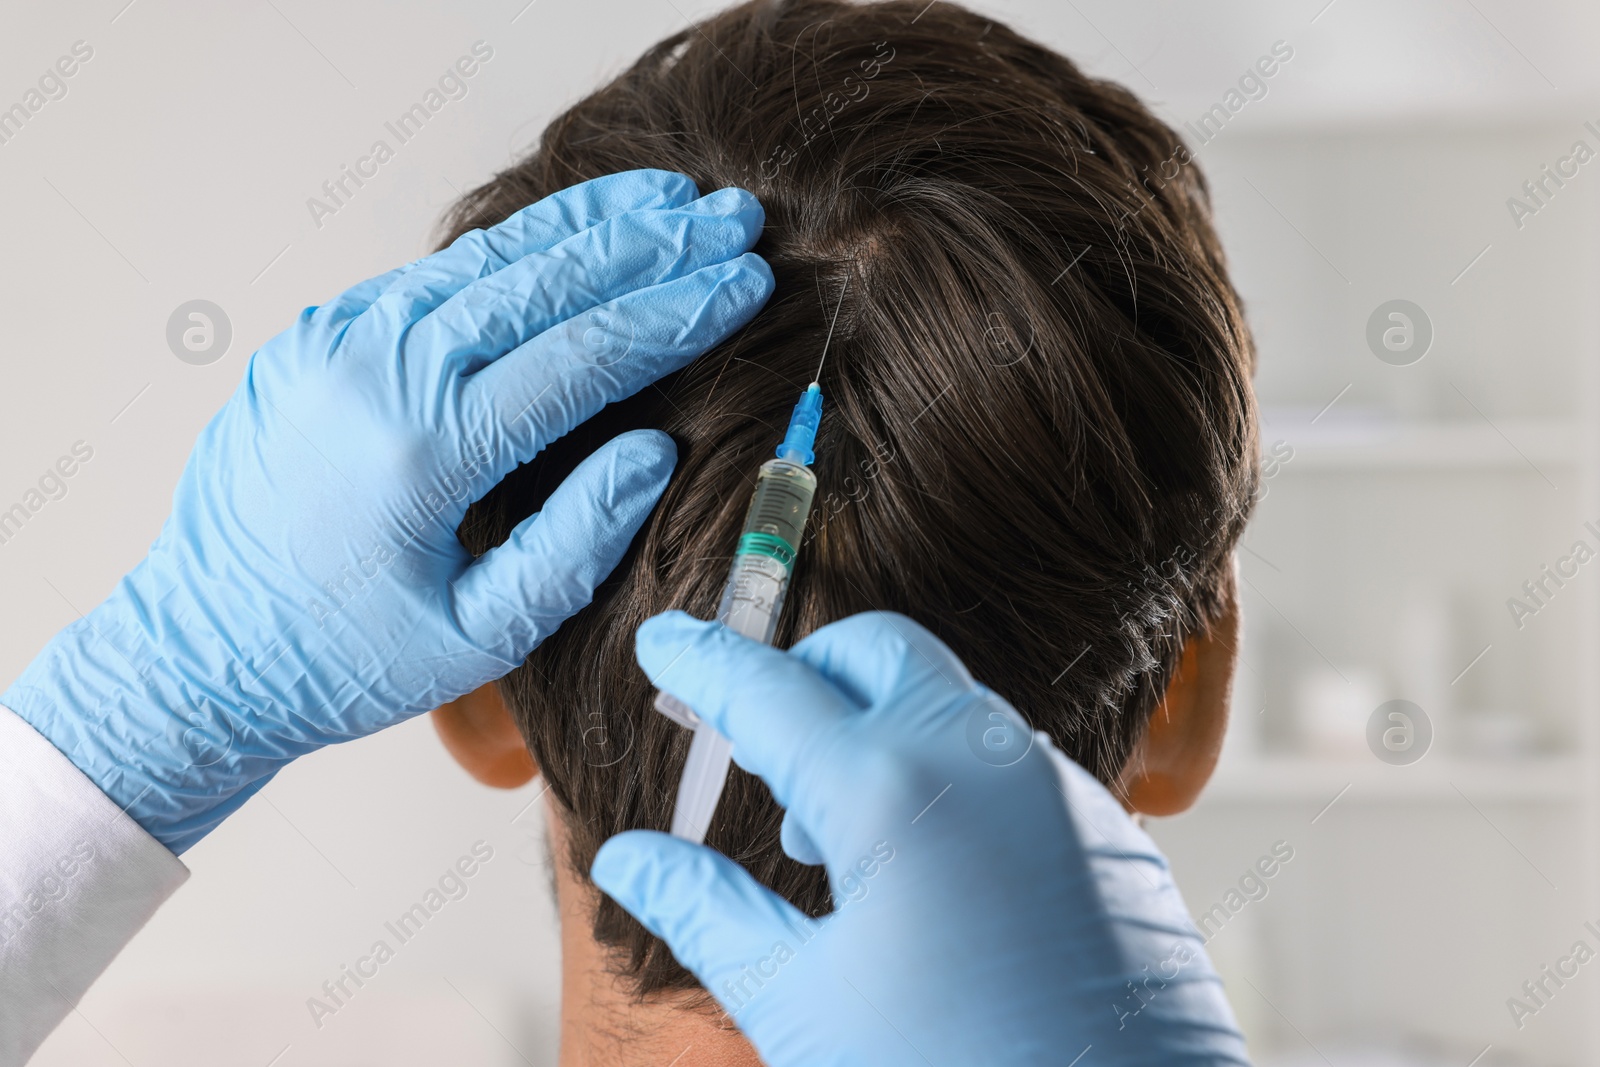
(751, 600)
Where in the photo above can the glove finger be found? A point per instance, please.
(778, 711)
(540, 226)
(797, 843)
(356, 299)
(910, 686)
(879, 655)
(715, 917)
(514, 407)
(515, 595)
(793, 717)
(496, 314)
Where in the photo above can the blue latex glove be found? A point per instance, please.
(994, 904)
(309, 587)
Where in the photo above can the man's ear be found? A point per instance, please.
(477, 730)
(1174, 760)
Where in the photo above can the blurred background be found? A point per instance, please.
(1427, 373)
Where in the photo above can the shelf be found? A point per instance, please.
(1434, 778)
(1361, 445)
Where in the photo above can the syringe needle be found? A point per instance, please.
(817, 377)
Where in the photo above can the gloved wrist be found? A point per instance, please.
(140, 696)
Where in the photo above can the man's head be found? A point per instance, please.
(1040, 436)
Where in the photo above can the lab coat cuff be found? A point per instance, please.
(79, 878)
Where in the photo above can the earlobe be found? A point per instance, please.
(1175, 758)
(478, 731)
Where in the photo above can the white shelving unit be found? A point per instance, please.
(1293, 779)
(1415, 503)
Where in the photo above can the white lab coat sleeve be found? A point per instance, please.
(78, 878)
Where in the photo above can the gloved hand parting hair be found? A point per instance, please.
(309, 587)
(993, 903)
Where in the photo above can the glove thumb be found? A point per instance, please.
(716, 918)
(516, 595)
(798, 844)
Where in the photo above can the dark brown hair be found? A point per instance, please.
(1039, 438)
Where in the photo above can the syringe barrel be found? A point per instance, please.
(774, 525)
(758, 578)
